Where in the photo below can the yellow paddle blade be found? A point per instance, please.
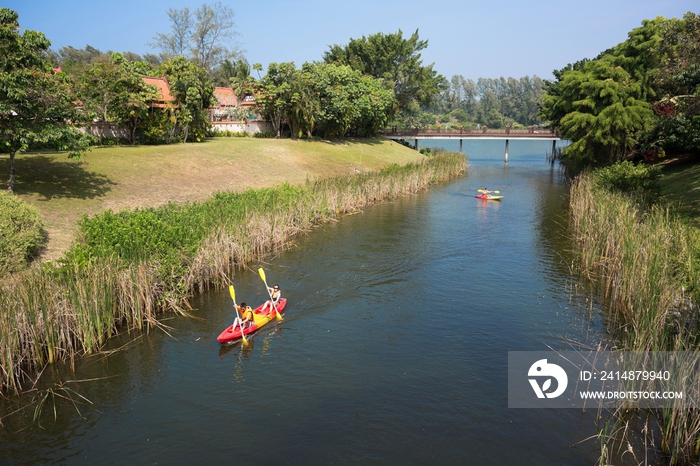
(245, 341)
(262, 274)
(233, 293)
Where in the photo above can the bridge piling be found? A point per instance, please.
(506, 151)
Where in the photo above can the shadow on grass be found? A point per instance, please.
(52, 178)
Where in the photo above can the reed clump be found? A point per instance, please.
(647, 261)
(127, 267)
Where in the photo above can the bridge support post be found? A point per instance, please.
(506, 151)
(460, 146)
(416, 143)
(554, 149)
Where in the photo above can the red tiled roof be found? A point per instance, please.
(164, 95)
(225, 97)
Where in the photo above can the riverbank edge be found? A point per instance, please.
(61, 313)
(646, 261)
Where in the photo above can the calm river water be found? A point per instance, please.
(393, 348)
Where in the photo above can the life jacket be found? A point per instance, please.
(248, 313)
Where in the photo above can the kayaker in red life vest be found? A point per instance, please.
(276, 294)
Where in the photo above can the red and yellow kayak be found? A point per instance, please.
(489, 197)
(231, 334)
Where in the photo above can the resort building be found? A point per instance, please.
(230, 113)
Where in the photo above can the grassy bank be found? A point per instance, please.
(126, 177)
(129, 266)
(647, 260)
(681, 187)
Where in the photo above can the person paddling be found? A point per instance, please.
(485, 192)
(275, 294)
(246, 317)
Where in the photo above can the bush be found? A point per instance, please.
(228, 134)
(636, 180)
(403, 142)
(264, 134)
(20, 233)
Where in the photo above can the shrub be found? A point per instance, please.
(403, 142)
(264, 134)
(636, 180)
(228, 134)
(430, 151)
(20, 233)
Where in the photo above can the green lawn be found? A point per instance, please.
(681, 187)
(126, 177)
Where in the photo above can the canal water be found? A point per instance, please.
(393, 348)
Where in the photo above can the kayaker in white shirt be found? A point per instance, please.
(276, 294)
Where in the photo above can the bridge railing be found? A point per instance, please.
(467, 132)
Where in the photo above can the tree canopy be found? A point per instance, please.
(397, 61)
(637, 99)
(73, 60)
(325, 99)
(207, 36)
(36, 105)
(193, 91)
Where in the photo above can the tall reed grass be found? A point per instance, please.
(127, 267)
(647, 262)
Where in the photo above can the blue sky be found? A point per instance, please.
(487, 38)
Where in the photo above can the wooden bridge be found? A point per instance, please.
(506, 135)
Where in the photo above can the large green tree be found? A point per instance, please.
(348, 102)
(604, 105)
(398, 61)
(193, 91)
(275, 95)
(118, 88)
(35, 103)
(324, 99)
(602, 110)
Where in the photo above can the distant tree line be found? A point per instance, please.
(637, 100)
(494, 103)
